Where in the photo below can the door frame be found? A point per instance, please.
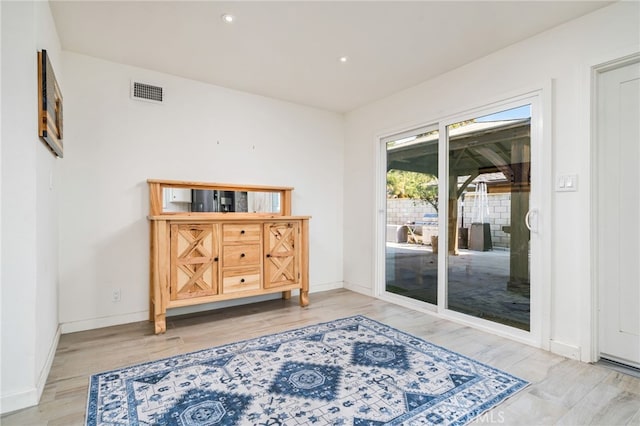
(541, 130)
(591, 318)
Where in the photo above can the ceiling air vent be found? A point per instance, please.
(146, 92)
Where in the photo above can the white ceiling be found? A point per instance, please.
(289, 50)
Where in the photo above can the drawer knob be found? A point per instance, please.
(242, 232)
(215, 259)
(241, 254)
(268, 255)
(242, 280)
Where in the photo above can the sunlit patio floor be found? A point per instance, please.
(477, 282)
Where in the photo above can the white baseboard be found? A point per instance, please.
(44, 373)
(366, 290)
(31, 396)
(224, 304)
(568, 351)
(90, 324)
(18, 400)
(317, 288)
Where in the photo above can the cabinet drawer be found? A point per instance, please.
(241, 280)
(232, 233)
(247, 254)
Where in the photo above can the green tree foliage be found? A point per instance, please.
(412, 185)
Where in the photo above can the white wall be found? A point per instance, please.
(29, 209)
(1, 223)
(563, 54)
(202, 133)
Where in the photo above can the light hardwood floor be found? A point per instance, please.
(562, 391)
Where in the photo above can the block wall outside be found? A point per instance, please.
(404, 210)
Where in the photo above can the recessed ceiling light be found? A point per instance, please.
(343, 59)
(228, 18)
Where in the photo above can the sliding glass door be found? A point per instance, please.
(411, 266)
(488, 198)
(471, 255)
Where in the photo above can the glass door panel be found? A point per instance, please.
(411, 265)
(488, 199)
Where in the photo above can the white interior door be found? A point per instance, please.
(618, 212)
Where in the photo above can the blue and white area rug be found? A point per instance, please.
(352, 371)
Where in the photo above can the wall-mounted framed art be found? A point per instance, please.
(49, 105)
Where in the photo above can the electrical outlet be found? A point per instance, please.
(115, 295)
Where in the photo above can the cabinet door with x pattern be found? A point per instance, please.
(282, 253)
(194, 260)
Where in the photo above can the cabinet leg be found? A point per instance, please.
(160, 323)
(286, 295)
(304, 298)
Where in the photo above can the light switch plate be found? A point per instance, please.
(566, 182)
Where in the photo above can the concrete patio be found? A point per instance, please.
(477, 282)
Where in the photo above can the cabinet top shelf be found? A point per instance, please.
(170, 198)
(217, 186)
(224, 217)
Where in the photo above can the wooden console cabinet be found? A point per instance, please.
(255, 247)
